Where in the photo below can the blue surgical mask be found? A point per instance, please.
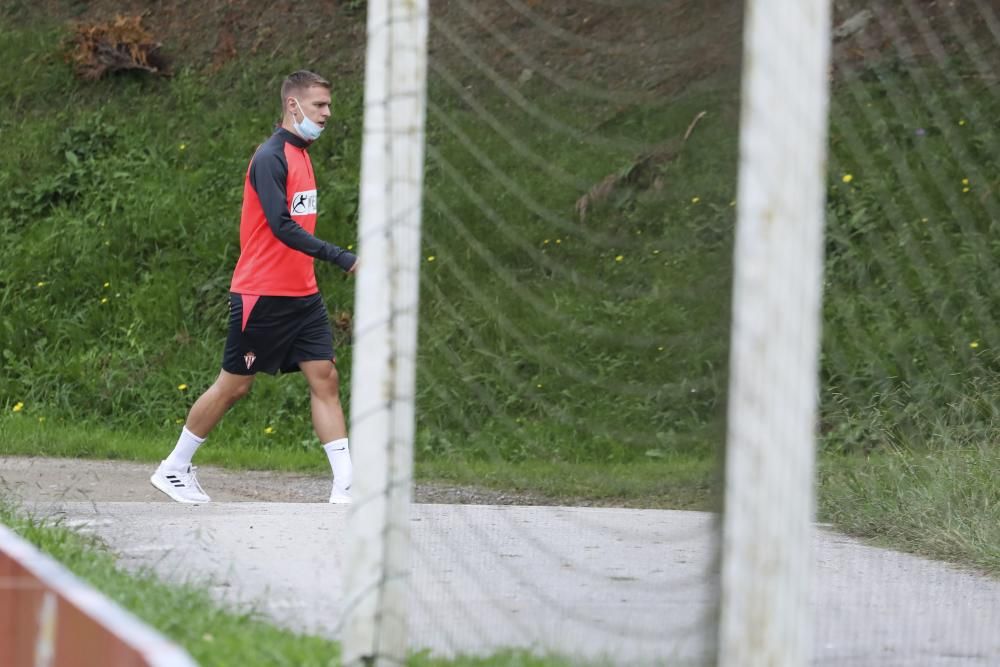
(307, 129)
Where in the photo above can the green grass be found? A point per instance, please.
(680, 481)
(675, 482)
(944, 504)
(120, 237)
(23, 434)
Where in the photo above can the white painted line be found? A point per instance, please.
(157, 650)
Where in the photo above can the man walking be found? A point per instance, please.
(277, 318)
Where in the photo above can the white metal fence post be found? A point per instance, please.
(385, 333)
(770, 458)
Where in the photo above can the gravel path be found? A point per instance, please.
(636, 586)
(44, 479)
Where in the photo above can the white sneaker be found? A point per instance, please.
(181, 485)
(341, 496)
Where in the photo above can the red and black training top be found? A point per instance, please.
(277, 245)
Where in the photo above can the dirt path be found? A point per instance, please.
(636, 586)
(44, 479)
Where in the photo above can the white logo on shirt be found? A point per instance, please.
(303, 203)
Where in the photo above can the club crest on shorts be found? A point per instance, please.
(249, 358)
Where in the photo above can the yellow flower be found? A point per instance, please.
(965, 181)
(18, 406)
(350, 247)
(41, 420)
(539, 386)
(182, 147)
(558, 241)
(619, 258)
(431, 258)
(660, 348)
(961, 122)
(695, 200)
(182, 387)
(269, 430)
(104, 300)
(965, 189)
(545, 242)
(40, 283)
(974, 344)
(107, 285)
(847, 178)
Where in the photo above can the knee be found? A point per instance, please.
(240, 391)
(233, 393)
(328, 384)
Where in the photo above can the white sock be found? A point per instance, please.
(340, 460)
(187, 445)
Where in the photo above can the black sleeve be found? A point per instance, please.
(268, 176)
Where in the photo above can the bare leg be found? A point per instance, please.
(217, 399)
(324, 390)
(175, 476)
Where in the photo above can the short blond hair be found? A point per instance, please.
(301, 80)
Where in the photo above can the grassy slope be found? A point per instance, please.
(539, 346)
(136, 184)
(944, 503)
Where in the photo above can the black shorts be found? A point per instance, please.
(269, 334)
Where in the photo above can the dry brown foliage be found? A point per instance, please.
(343, 323)
(643, 171)
(119, 44)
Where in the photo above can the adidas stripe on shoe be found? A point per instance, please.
(180, 485)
